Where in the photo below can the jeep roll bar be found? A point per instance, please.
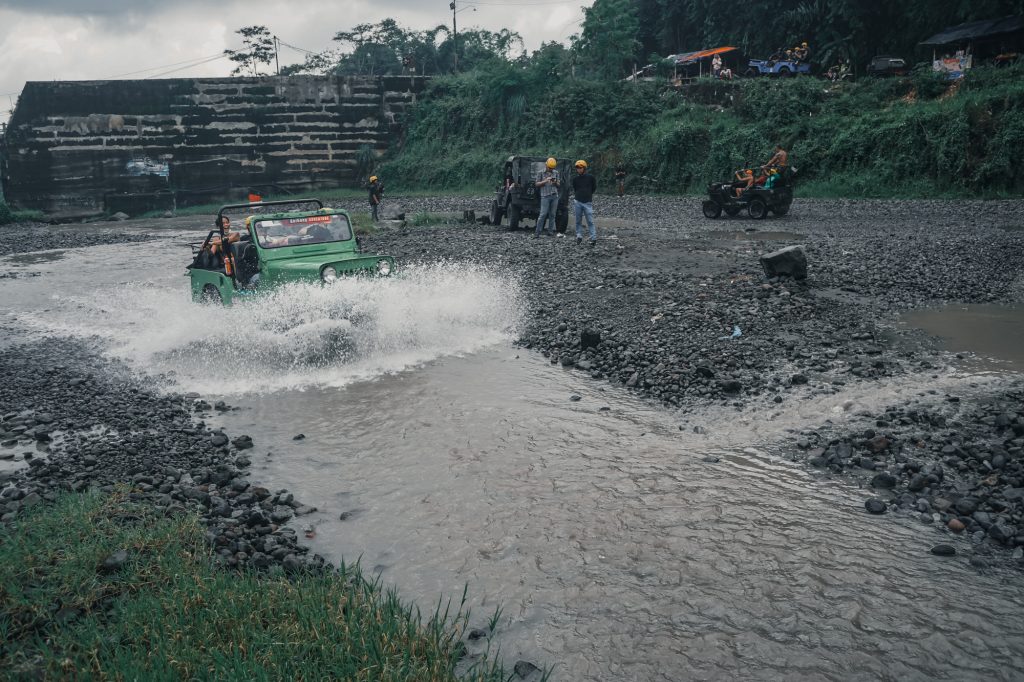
(281, 202)
(229, 257)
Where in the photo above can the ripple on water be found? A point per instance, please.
(615, 550)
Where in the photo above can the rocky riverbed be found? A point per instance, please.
(667, 304)
(78, 421)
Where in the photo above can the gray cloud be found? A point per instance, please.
(69, 40)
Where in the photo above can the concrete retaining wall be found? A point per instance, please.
(89, 146)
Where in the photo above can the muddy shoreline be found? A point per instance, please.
(656, 303)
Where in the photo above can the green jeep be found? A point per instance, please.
(276, 248)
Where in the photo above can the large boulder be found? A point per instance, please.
(788, 262)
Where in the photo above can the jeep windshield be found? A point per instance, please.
(302, 231)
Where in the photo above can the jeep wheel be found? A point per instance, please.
(513, 217)
(712, 209)
(784, 72)
(495, 217)
(781, 210)
(757, 209)
(732, 211)
(210, 296)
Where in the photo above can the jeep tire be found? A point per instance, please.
(211, 295)
(495, 217)
(712, 209)
(757, 209)
(562, 221)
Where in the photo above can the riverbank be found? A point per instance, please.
(109, 480)
(99, 586)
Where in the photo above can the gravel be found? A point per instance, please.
(26, 237)
(106, 430)
(664, 291)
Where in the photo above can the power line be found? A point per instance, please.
(542, 3)
(164, 66)
(213, 59)
(297, 49)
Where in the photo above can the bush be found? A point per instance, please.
(7, 215)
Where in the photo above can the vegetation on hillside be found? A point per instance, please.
(918, 136)
(915, 136)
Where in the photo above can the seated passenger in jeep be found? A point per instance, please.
(744, 181)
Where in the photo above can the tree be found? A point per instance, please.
(258, 49)
(609, 43)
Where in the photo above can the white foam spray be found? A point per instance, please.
(300, 335)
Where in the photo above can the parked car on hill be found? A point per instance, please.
(884, 65)
(782, 68)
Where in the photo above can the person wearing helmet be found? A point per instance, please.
(376, 190)
(548, 182)
(744, 181)
(583, 187)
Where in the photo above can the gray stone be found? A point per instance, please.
(115, 561)
(883, 480)
(589, 338)
(790, 261)
(875, 506)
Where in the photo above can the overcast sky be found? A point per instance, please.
(98, 39)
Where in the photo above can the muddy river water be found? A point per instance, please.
(618, 545)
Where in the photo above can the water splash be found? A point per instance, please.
(299, 335)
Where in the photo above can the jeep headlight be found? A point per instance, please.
(384, 267)
(329, 275)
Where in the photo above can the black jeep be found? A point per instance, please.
(758, 200)
(518, 197)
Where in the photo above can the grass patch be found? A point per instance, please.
(170, 614)
(9, 215)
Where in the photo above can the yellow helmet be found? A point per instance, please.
(581, 164)
(551, 163)
(373, 178)
(804, 44)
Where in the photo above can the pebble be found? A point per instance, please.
(875, 506)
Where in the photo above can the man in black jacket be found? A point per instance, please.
(583, 187)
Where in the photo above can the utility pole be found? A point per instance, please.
(455, 34)
(277, 62)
